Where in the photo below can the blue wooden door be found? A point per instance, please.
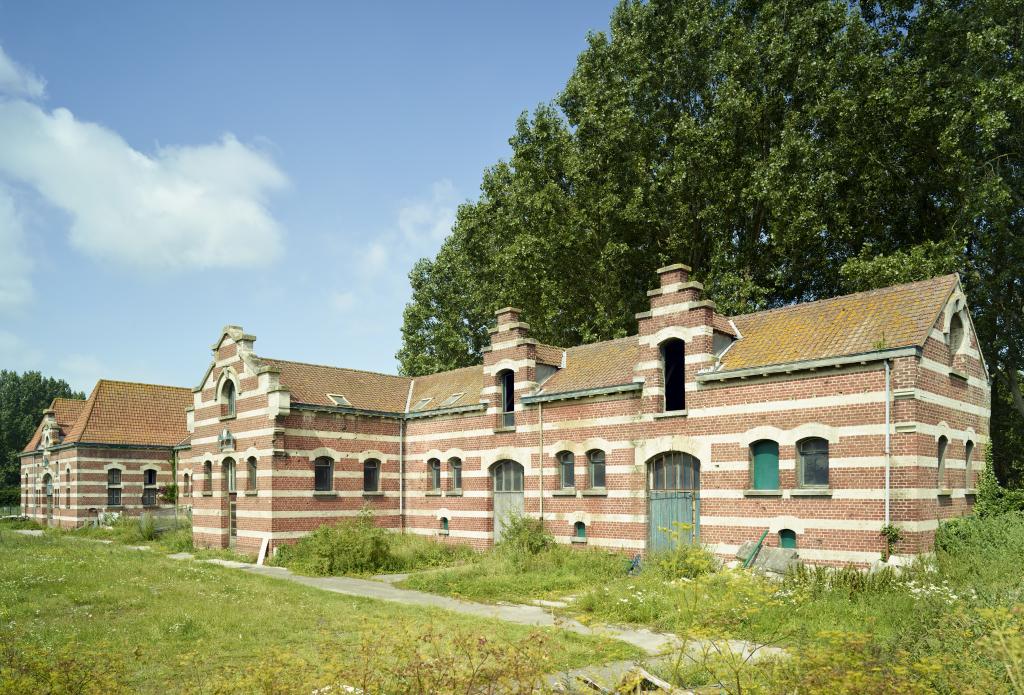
(673, 509)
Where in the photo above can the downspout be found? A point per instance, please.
(888, 439)
(540, 451)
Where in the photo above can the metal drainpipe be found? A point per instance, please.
(888, 449)
(401, 475)
(540, 414)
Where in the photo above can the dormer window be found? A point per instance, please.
(452, 399)
(339, 399)
(422, 403)
(673, 362)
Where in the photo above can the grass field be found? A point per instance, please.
(164, 625)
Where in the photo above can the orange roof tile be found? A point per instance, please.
(121, 412)
(597, 365)
(67, 411)
(441, 386)
(891, 317)
(310, 383)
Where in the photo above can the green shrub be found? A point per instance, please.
(354, 546)
(147, 527)
(992, 498)
(684, 560)
(983, 553)
(19, 524)
(524, 535)
(409, 552)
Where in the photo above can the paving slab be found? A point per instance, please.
(29, 531)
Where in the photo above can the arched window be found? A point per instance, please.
(67, 489)
(434, 468)
(507, 381)
(444, 525)
(454, 475)
(813, 462)
(114, 487)
(227, 399)
(675, 471)
(371, 475)
(508, 476)
(941, 456)
(956, 334)
(208, 478)
(567, 470)
(787, 538)
(580, 530)
(186, 485)
(323, 474)
(764, 465)
(595, 468)
(251, 487)
(149, 488)
(968, 454)
(673, 363)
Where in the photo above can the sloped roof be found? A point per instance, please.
(892, 317)
(66, 411)
(122, 412)
(468, 381)
(597, 365)
(310, 383)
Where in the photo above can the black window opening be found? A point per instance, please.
(114, 476)
(813, 455)
(508, 398)
(186, 489)
(251, 486)
(567, 470)
(150, 477)
(941, 456)
(595, 462)
(435, 474)
(323, 474)
(454, 474)
(229, 474)
(371, 475)
(673, 356)
(968, 473)
(149, 497)
(114, 487)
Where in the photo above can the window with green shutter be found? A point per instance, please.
(765, 465)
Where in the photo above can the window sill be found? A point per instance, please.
(114, 506)
(207, 494)
(564, 492)
(579, 541)
(251, 493)
(442, 533)
(971, 491)
(499, 430)
(223, 418)
(595, 492)
(670, 414)
(325, 493)
(944, 492)
(762, 493)
(434, 493)
(373, 493)
(959, 375)
(454, 493)
(811, 492)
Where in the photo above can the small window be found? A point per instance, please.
(595, 464)
(956, 334)
(149, 497)
(452, 400)
(580, 530)
(229, 474)
(673, 360)
(813, 455)
(508, 398)
(339, 399)
(787, 538)
(567, 470)
(422, 403)
(228, 397)
(186, 486)
(114, 476)
(941, 456)
(323, 474)
(968, 454)
(208, 477)
(434, 467)
(764, 465)
(67, 497)
(149, 477)
(251, 487)
(371, 475)
(444, 524)
(454, 474)
(113, 497)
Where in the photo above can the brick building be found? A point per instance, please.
(817, 422)
(109, 453)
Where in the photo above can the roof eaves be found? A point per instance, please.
(582, 393)
(807, 365)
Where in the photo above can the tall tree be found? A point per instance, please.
(23, 397)
(767, 144)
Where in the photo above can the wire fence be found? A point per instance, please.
(10, 511)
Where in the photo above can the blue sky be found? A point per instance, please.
(166, 169)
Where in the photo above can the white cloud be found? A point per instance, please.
(196, 206)
(342, 301)
(19, 81)
(429, 220)
(82, 371)
(15, 265)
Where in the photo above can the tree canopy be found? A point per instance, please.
(787, 151)
(23, 397)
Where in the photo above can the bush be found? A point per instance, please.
(147, 527)
(524, 535)
(354, 546)
(408, 552)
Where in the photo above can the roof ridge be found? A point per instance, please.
(824, 300)
(329, 366)
(137, 383)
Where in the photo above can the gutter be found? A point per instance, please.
(786, 367)
(446, 411)
(582, 393)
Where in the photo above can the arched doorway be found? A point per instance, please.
(507, 478)
(673, 481)
(48, 487)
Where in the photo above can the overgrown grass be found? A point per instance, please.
(19, 524)
(156, 625)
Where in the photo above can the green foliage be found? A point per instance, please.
(23, 397)
(765, 145)
(19, 524)
(992, 498)
(169, 493)
(524, 535)
(147, 526)
(892, 534)
(684, 559)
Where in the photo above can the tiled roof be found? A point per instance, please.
(609, 363)
(439, 387)
(121, 412)
(549, 354)
(891, 317)
(310, 383)
(67, 411)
